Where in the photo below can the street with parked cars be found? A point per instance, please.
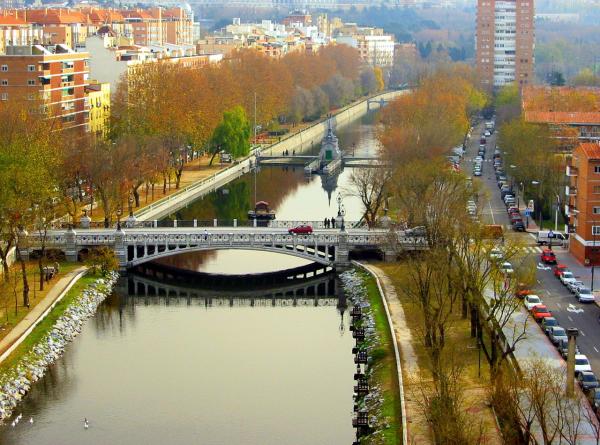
(562, 296)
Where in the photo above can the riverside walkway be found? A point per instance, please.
(17, 334)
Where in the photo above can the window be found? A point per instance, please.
(4, 96)
(596, 168)
(4, 68)
(596, 210)
(30, 68)
(4, 82)
(31, 82)
(596, 189)
(595, 230)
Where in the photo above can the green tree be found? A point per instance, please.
(103, 260)
(232, 135)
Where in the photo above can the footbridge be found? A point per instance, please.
(137, 245)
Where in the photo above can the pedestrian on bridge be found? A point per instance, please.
(205, 235)
(333, 223)
(326, 223)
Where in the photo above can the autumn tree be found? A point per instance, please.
(28, 166)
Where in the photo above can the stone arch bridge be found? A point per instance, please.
(137, 245)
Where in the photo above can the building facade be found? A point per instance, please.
(98, 99)
(55, 74)
(505, 42)
(583, 208)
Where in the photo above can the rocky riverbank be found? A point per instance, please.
(16, 381)
(376, 399)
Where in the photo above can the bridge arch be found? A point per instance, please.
(324, 257)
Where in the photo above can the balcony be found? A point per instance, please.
(570, 191)
(572, 171)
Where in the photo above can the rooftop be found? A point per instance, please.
(563, 117)
(591, 150)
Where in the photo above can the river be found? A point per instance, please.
(206, 369)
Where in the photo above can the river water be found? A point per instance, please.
(213, 368)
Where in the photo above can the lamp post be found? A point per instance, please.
(119, 213)
(512, 176)
(572, 334)
(556, 213)
(539, 201)
(130, 202)
(522, 190)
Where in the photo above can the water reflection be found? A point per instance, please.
(291, 194)
(210, 368)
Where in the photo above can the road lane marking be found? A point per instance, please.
(582, 333)
(569, 317)
(548, 292)
(558, 304)
(492, 213)
(596, 349)
(575, 310)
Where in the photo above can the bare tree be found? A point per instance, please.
(370, 186)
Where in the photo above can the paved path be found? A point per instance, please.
(22, 329)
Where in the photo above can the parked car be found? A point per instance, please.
(587, 380)
(482, 140)
(584, 295)
(559, 269)
(301, 229)
(548, 323)
(509, 200)
(563, 348)
(548, 256)
(507, 268)
(594, 398)
(496, 254)
(567, 277)
(518, 226)
(531, 301)
(540, 312)
(522, 292)
(477, 172)
(515, 217)
(573, 285)
(557, 334)
(582, 363)
(487, 133)
(550, 238)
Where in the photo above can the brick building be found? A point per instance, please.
(56, 74)
(583, 208)
(504, 42)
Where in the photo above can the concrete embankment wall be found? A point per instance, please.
(299, 142)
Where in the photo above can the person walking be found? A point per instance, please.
(325, 223)
(205, 235)
(333, 223)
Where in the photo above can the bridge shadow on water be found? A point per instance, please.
(310, 285)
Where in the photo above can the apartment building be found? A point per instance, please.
(54, 73)
(572, 113)
(583, 207)
(374, 50)
(505, 42)
(98, 99)
(14, 31)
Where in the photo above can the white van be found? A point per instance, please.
(551, 238)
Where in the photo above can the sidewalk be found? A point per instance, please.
(26, 325)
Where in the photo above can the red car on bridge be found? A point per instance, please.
(302, 229)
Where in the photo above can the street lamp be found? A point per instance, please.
(539, 200)
(119, 213)
(130, 202)
(512, 176)
(522, 190)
